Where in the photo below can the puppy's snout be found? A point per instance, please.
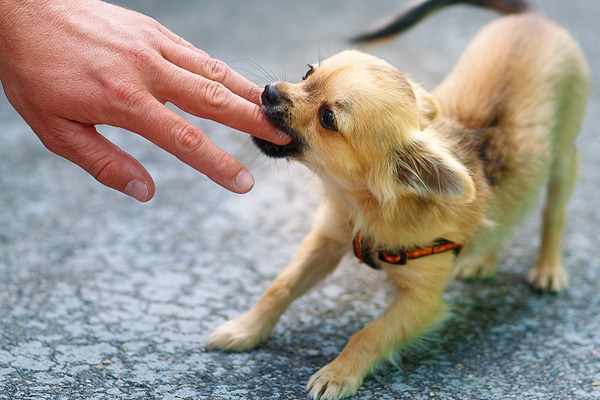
(271, 96)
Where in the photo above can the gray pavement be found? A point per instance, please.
(105, 298)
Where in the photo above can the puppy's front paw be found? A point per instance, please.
(553, 279)
(240, 334)
(333, 381)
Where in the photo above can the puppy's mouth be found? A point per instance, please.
(275, 107)
(290, 150)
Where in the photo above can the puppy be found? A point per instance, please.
(419, 183)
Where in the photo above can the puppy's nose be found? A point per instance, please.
(271, 96)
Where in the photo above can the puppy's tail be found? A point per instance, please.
(423, 9)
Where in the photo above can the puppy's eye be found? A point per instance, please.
(328, 119)
(308, 73)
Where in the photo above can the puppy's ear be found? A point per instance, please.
(428, 106)
(427, 170)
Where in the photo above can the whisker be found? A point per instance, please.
(261, 74)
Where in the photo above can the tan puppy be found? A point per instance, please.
(411, 178)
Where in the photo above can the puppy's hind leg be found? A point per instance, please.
(475, 266)
(548, 272)
(318, 255)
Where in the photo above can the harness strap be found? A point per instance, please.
(363, 250)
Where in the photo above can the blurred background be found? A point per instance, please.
(102, 297)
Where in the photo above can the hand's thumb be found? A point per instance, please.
(111, 166)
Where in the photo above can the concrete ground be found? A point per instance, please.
(105, 298)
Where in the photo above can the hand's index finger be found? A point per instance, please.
(200, 63)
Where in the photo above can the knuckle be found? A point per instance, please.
(124, 90)
(105, 170)
(217, 70)
(215, 95)
(149, 24)
(139, 54)
(223, 162)
(124, 95)
(187, 139)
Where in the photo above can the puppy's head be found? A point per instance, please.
(359, 123)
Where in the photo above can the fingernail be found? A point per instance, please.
(137, 189)
(244, 182)
(282, 135)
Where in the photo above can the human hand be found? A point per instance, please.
(69, 65)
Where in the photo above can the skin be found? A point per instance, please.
(69, 65)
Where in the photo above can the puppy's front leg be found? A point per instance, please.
(417, 307)
(318, 255)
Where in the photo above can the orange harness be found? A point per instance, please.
(363, 250)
